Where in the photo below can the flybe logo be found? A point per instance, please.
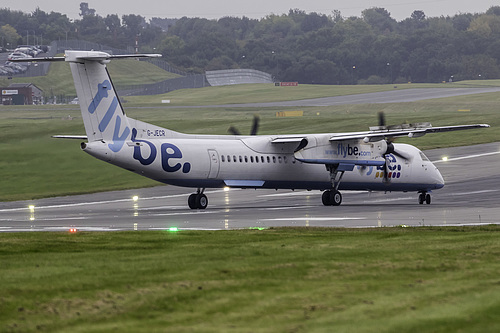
(348, 150)
(119, 135)
(170, 154)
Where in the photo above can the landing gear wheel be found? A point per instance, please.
(428, 199)
(331, 198)
(326, 198)
(192, 201)
(201, 201)
(424, 197)
(197, 201)
(421, 198)
(336, 198)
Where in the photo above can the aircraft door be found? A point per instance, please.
(214, 163)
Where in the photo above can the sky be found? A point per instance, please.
(213, 9)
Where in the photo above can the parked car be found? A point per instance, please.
(18, 55)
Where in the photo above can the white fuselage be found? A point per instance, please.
(255, 162)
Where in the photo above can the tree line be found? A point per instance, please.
(297, 46)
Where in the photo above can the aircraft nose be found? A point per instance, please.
(437, 178)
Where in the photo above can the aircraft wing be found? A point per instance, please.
(411, 130)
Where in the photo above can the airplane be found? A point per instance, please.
(329, 162)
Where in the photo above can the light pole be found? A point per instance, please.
(390, 72)
(276, 58)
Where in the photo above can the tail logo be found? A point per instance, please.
(118, 138)
(102, 92)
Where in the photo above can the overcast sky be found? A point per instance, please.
(399, 9)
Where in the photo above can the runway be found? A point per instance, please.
(470, 197)
(392, 96)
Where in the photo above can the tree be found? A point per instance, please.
(85, 10)
(379, 19)
(9, 35)
(418, 15)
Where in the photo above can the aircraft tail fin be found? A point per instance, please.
(102, 113)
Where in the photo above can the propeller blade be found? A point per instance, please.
(233, 131)
(255, 125)
(386, 170)
(381, 118)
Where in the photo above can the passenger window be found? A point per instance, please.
(268, 159)
(246, 159)
(241, 159)
(274, 159)
(222, 158)
(234, 158)
(279, 159)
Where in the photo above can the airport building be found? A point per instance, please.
(21, 94)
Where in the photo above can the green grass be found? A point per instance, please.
(425, 279)
(250, 93)
(33, 165)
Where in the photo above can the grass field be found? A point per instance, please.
(33, 165)
(125, 72)
(277, 280)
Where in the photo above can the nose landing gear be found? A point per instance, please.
(424, 197)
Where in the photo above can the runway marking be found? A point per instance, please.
(289, 194)
(157, 208)
(315, 219)
(61, 218)
(186, 213)
(283, 208)
(77, 204)
(466, 157)
(389, 200)
(474, 192)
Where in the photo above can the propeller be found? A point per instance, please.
(390, 147)
(255, 127)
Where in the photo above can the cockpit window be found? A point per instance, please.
(424, 158)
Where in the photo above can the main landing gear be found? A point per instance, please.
(198, 200)
(333, 197)
(424, 197)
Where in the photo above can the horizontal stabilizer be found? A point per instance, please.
(79, 56)
(75, 137)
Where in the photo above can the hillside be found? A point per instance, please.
(127, 72)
